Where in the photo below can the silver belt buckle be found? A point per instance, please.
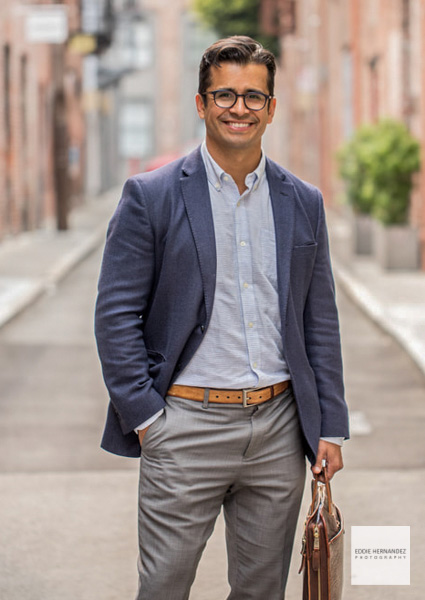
(245, 396)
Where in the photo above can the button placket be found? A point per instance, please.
(248, 301)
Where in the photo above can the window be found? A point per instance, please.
(134, 44)
(136, 129)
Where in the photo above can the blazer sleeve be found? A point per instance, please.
(124, 288)
(322, 338)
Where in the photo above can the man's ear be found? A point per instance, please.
(200, 105)
(271, 109)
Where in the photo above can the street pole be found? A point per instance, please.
(60, 139)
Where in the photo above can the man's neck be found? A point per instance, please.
(237, 163)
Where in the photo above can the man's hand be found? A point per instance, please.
(142, 433)
(332, 453)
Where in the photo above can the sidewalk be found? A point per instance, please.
(395, 300)
(35, 262)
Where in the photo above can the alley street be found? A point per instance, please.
(68, 510)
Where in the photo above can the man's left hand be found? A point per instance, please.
(142, 433)
(332, 453)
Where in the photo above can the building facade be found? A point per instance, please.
(159, 45)
(345, 63)
(82, 111)
(41, 129)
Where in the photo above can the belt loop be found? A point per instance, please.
(206, 396)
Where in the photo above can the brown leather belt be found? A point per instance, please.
(244, 397)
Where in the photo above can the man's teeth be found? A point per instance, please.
(240, 125)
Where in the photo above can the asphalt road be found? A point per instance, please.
(68, 509)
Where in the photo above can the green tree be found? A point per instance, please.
(235, 17)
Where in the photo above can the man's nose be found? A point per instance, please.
(239, 106)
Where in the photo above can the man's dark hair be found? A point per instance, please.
(239, 49)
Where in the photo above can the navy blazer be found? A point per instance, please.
(156, 292)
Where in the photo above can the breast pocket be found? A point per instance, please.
(305, 250)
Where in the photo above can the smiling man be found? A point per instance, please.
(236, 111)
(218, 335)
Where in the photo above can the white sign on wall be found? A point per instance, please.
(47, 24)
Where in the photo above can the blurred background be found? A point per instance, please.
(93, 91)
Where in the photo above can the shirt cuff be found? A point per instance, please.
(149, 421)
(334, 440)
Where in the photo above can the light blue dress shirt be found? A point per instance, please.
(242, 346)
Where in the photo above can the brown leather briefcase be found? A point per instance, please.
(323, 546)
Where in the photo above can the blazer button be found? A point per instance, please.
(202, 328)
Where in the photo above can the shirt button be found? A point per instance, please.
(250, 324)
(246, 285)
(254, 365)
(238, 204)
(243, 243)
(217, 186)
(225, 178)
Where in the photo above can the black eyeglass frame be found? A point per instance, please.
(265, 96)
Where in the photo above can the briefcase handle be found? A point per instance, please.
(326, 484)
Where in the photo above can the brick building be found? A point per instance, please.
(344, 63)
(41, 119)
(160, 43)
(76, 122)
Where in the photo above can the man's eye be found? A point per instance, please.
(255, 97)
(224, 95)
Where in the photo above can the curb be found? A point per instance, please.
(32, 291)
(379, 315)
(70, 260)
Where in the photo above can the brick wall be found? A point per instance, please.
(350, 62)
(27, 198)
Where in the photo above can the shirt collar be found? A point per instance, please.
(215, 173)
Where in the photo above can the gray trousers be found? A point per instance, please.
(195, 460)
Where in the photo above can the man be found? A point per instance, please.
(218, 336)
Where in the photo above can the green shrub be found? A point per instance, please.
(377, 165)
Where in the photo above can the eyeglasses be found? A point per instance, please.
(227, 99)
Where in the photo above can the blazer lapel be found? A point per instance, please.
(194, 186)
(282, 194)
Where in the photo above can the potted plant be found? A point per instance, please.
(396, 158)
(386, 156)
(354, 165)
